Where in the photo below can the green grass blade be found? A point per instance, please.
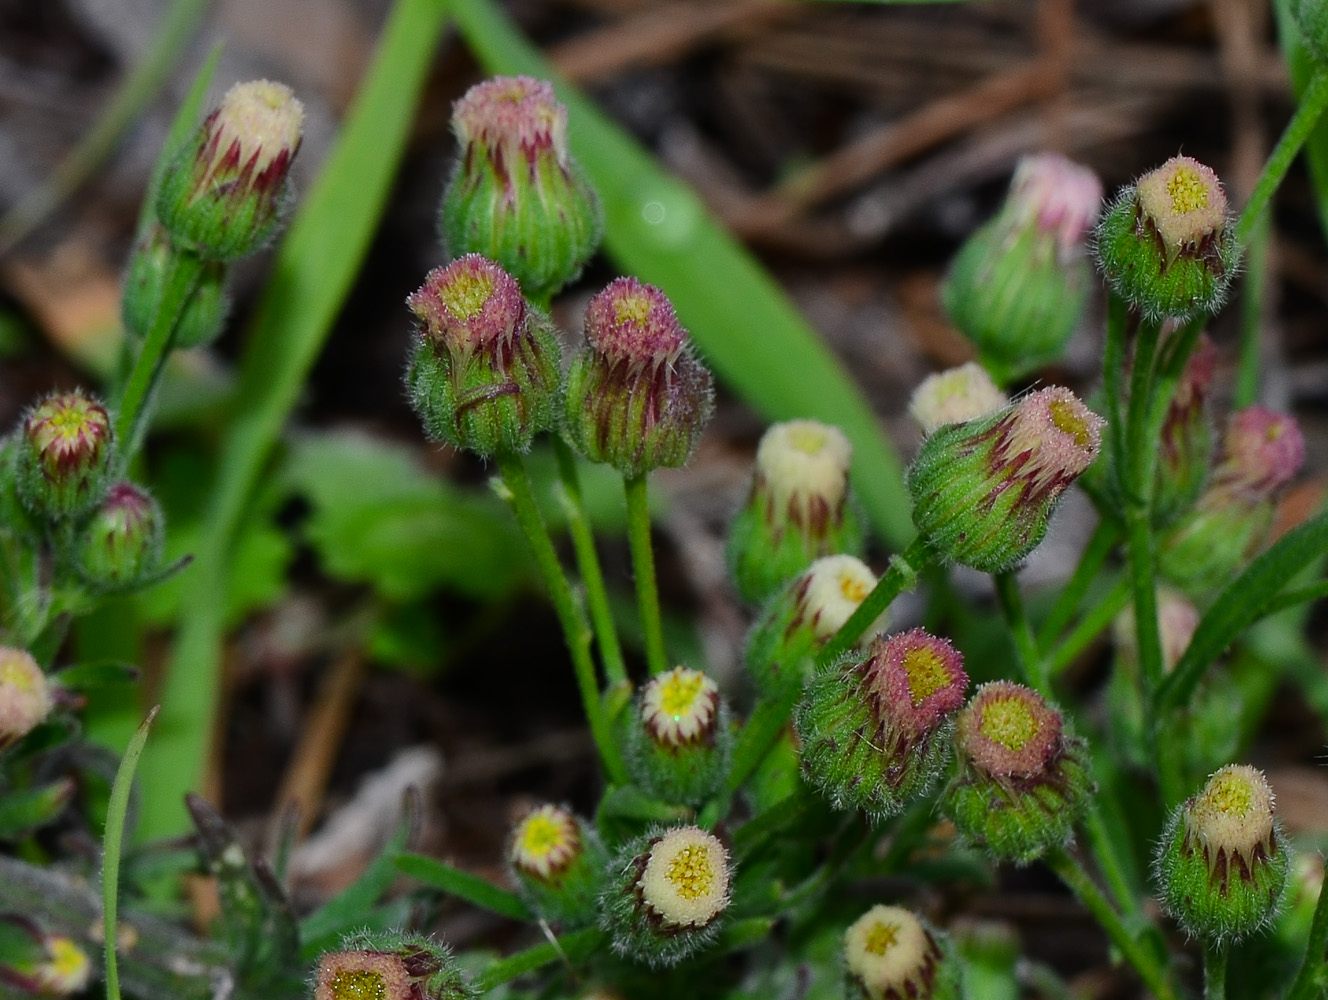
(1243, 601)
(658, 229)
(311, 277)
(1301, 65)
(455, 882)
(572, 948)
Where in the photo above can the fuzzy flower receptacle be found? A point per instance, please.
(1166, 245)
(558, 862)
(679, 742)
(517, 196)
(667, 895)
(222, 196)
(984, 491)
(484, 373)
(797, 509)
(1023, 779)
(1223, 861)
(875, 732)
(636, 398)
(889, 954)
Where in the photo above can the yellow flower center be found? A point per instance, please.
(358, 984)
(1009, 722)
(881, 938)
(926, 673)
(678, 694)
(854, 588)
(15, 676)
(691, 872)
(633, 309)
(467, 294)
(807, 437)
(1187, 189)
(1229, 793)
(542, 835)
(1069, 419)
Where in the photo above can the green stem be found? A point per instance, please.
(1106, 852)
(899, 577)
(1087, 892)
(1138, 509)
(1251, 315)
(572, 948)
(1312, 103)
(1025, 645)
(1215, 971)
(1091, 626)
(758, 735)
(1316, 952)
(1113, 364)
(575, 628)
(587, 560)
(1094, 556)
(643, 562)
(182, 274)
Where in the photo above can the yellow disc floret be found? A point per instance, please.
(890, 954)
(545, 842)
(679, 706)
(686, 878)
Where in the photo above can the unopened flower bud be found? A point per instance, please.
(1019, 285)
(25, 695)
(388, 965)
(203, 313)
(955, 396)
(984, 491)
(679, 739)
(39, 963)
(1166, 245)
(876, 733)
(667, 895)
(797, 623)
(889, 954)
(637, 399)
(122, 541)
(1186, 444)
(797, 509)
(1261, 453)
(484, 373)
(223, 193)
(517, 196)
(558, 862)
(1023, 779)
(63, 456)
(1224, 859)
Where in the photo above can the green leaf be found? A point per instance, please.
(379, 518)
(658, 229)
(455, 882)
(571, 948)
(1241, 603)
(97, 675)
(26, 810)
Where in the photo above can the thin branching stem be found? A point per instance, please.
(643, 563)
(1025, 645)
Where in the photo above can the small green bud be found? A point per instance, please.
(1019, 285)
(1223, 861)
(63, 456)
(679, 739)
(955, 396)
(517, 196)
(797, 509)
(1023, 779)
(984, 491)
(636, 398)
(667, 895)
(876, 733)
(223, 193)
(797, 623)
(1166, 245)
(559, 863)
(889, 954)
(204, 313)
(123, 540)
(484, 373)
(389, 965)
(25, 695)
(1186, 444)
(40, 963)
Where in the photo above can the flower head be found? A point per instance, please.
(470, 305)
(558, 862)
(1184, 202)
(512, 120)
(1007, 730)
(889, 955)
(633, 323)
(955, 396)
(39, 962)
(678, 749)
(916, 679)
(123, 540)
(25, 695)
(680, 706)
(64, 455)
(1057, 195)
(389, 965)
(545, 843)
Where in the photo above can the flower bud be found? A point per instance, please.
(667, 895)
(797, 509)
(889, 954)
(984, 491)
(636, 398)
(484, 373)
(63, 456)
(1023, 779)
(955, 396)
(1261, 453)
(1186, 444)
(517, 196)
(223, 193)
(1019, 285)
(797, 623)
(558, 862)
(39, 963)
(876, 733)
(389, 965)
(122, 542)
(679, 739)
(1166, 245)
(1223, 860)
(25, 695)
(203, 314)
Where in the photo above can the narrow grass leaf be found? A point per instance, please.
(455, 882)
(571, 948)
